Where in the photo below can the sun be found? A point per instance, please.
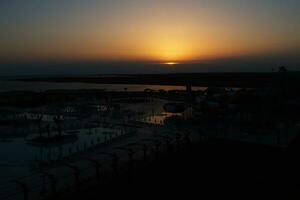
(170, 63)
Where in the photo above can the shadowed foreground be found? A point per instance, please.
(208, 169)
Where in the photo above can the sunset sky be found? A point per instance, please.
(215, 32)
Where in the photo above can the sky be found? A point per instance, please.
(136, 36)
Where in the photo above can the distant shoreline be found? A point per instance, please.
(247, 80)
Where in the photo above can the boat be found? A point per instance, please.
(174, 107)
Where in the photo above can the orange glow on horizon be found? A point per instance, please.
(177, 33)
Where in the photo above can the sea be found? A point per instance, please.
(13, 84)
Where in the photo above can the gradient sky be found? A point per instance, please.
(202, 33)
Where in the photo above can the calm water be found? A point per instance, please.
(24, 157)
(7, 85)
